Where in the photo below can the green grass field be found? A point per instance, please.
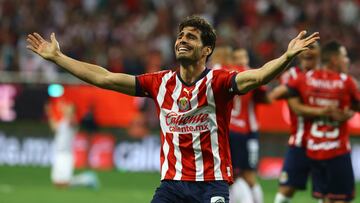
(32, 185)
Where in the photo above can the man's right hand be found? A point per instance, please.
(47, 50)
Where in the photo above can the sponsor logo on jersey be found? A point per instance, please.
(326, 84)
(187, 123)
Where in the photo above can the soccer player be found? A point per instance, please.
(61, 117)
(194, 105)
(327, 138)
(244, 138)
(296, 167)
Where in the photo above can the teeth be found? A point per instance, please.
(183, 49)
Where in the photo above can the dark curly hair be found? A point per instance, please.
(208, 35)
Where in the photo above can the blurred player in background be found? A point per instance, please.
(61, 117)
(296, 168)
(194, 105)
(244, 138)
(327, 137)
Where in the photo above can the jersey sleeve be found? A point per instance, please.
(148, 84)
(354, 91)
(293, 86)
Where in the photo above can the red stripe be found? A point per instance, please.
(207, 155)
(162, 157)
(171, 157)
(187, 157)
(223, 106)
(170, 86)
(202, 99)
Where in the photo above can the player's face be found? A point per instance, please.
(309, 59)
(241, 58)
(343, 60)
(188, 45)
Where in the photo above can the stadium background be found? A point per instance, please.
(118, 136)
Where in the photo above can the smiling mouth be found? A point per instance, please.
(183, 49)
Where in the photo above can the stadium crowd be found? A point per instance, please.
(136, 36)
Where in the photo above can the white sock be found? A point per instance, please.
(257, 194)
(280, 198)
(240, 192)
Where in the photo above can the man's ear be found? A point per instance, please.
(208, 50)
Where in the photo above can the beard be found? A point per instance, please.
(189, 59)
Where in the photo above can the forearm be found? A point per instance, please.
(97, 75)
(273, 68)
(304, 110)
(279, 92)
(87, 72)
(252, 79)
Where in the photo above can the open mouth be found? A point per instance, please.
(183, 49)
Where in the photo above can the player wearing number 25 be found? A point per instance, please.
(327, 139)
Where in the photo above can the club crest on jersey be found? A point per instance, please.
(184, 104)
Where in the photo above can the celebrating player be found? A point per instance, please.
(194, 105)
(244, 138)
(296, 166)
(327, 138)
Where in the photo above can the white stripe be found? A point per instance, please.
(252, 117)
(194, 101)
(293, 72)
(300, 131)
(160, 99)
(177, 153)
(198, 157)
(213, 128)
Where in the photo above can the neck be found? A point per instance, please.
(330, 67)
(191, 72)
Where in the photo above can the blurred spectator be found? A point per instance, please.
(120, 34)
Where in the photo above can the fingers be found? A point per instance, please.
(32, 43)
(31, 48)
(33, 40)
(301, 34)
(53, 38)
(313, 35)
(38, 37)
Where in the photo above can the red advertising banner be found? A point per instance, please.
(109, 107)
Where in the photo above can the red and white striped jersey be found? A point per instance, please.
(243, 115)
(297, 137)
(194, 122)
(326, 138)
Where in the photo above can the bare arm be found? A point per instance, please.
(305, 110)
(251, 79)
(90, 73)
(308, 111)
(279, 92)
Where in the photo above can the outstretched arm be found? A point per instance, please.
(251, 79)
(90, 73)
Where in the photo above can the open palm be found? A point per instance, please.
(45, 49)
(299, 43)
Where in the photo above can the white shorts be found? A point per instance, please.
(62, 168)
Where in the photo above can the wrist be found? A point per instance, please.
(57, 56)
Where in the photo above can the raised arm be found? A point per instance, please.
(251, 79)
(90, 73)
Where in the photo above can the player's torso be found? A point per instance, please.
(243, 115)
(194, 120)
(326, 138)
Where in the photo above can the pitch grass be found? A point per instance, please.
(32, 185)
